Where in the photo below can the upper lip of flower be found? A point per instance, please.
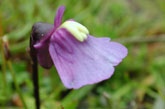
(79, 31)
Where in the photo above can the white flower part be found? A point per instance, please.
(79, 31)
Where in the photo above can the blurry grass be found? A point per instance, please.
(138, 82)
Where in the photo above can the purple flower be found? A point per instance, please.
(79, 58)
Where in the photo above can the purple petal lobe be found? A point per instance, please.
(58, 18)
(43, 56)
(82, 63)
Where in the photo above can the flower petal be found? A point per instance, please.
(81, 63)
(43, 57)
(58, 18)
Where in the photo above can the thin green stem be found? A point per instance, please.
(3, 69)
(15, 83)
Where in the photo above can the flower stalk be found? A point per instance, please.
(35, 74)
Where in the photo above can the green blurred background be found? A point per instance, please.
(138, 82)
